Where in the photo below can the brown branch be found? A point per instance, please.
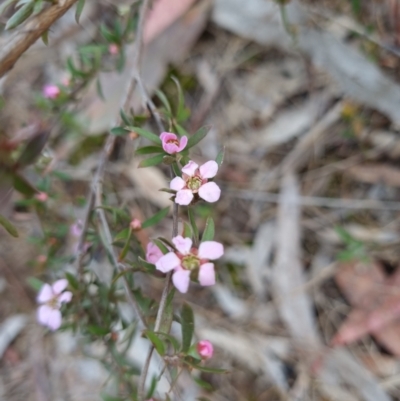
(29, 33)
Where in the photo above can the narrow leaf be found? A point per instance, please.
(197, 137)
(205, 368)
(187, 322)
(220, 157)
(79, 9)
(146, 150)
(125, 249)
(156, 218)
(33, 149)
(187, 230)
(23, 186)
(194, 226)
(162, 247)
(125, 118)
(45, 37)
(5, 5)
(174, 342)
(147, 134)
(148, 266)
(164, 101)
(119, 131)
(209, 231)
(176, 170)
(152, 161)
(35, 283)
(8, 226)
(158, 344)
(20, 16)
(122, 235)
(99, 90)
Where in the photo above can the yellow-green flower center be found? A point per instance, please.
(190, 262)
(194, 183)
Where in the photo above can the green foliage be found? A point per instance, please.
(209, 231)
(197, 137)
(187, 324)
(156, 218)
(79, 8)
(355, 250)
(20, 15)
(8, 226)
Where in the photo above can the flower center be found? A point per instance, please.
(53, 303)
(174, 141)
(190, 262)
(194, 183)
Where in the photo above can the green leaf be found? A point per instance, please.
(176, 170)
(209, 231)
(164, 101)
(158, 344)
(146, 150)
(122, 235)
(207, 386)
(168, 317)
(180, 130)
(197, 137)
(187, 322)
(106, 397)
(73, 282)
(35, 283)
(174, 342)
(125, 249)
(148, 266)
(220, 157)
(97, 330)
(8, 226)
(119, 131)
(45, 37)
(194, 226)
(152, 161)
(187, 230)
(124, 117)
(99, 90)
(108, 35)
(146, 134)
(79, 9)
(162, 247)
(33, 149)
(20, 16)
(182, 112)
(156, 218)
(23, 186)
(204, 368)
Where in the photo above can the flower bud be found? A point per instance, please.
(135, 224)
(205, 349)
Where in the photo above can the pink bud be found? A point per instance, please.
(113, 49)
(42, 259)
(42, 196)
(51, 91)
(205, 349)
(135, 224)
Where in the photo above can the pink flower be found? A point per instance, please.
(113, 49)
(153, 253)
(195, 181)
(205, 349)
(42, 196)
(76, 229)
(188, 262)
(135, 224)
(51, 91)
(171, 143)
(52, 297)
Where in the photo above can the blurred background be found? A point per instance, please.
(305, 98)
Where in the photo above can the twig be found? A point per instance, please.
(29, 33)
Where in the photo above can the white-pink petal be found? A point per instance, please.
(65, 297)
(168, 262)
(54, 319)
(190, 168)
(209, 169)
(45, 294)
(207, 274)
(177, 183)
(183, 245)
(210, 250)
(181, 280)
(210, 192)
(43, 314)
(59, 286)
(184, 197)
